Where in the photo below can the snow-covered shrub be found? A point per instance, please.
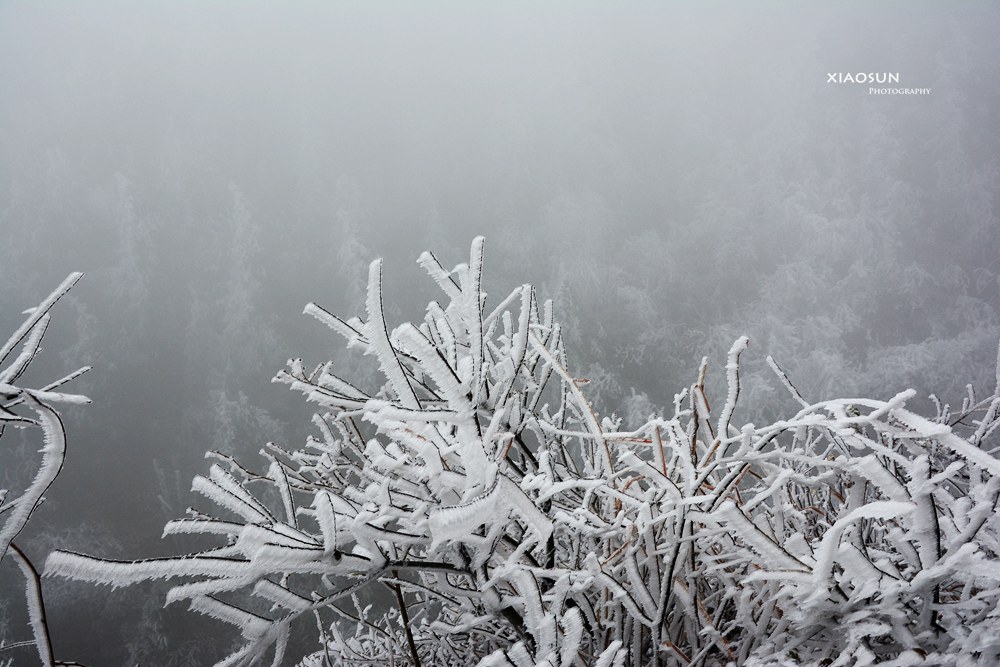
(513, 526)
(24, 408)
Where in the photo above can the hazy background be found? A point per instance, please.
(673, 175)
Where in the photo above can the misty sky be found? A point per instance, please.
(673, 175)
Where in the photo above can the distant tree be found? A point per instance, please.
(24, 408)
(513, 526)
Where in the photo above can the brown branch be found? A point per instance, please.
(406, 620)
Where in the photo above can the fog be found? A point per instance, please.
(673, 176)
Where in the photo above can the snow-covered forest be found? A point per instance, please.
(755, 423)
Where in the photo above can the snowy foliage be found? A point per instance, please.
(513, 526)
(21, 407)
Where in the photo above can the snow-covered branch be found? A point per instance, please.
(22, 407)
(515, 527)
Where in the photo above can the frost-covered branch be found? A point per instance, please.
(22, 407)
(515, 527)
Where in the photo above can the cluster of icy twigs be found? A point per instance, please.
(21, 407)
(514, 527)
